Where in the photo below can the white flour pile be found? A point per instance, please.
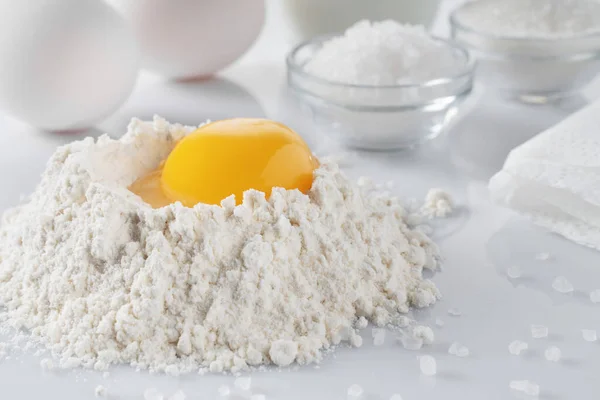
(99, 277)
(532, 18)
(383, 53)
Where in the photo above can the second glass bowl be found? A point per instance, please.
(533, 70)
(380, 117)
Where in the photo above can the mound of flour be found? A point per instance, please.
(98, 277)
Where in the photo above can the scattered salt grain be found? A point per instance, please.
(396, 397)
(382, 53)
(355, 391)
(589, 335)
(105, 374)
(514, 272)
(553, 354)
(244, 383)
(458, 350)
(153, 394)
(224, 391)
(542, 256)
(539, 331)
(595, 296)
(455, 312)
(425, 333)
(516, 347)
(562, 285)
(100, 391)
(178, 395)
(258, 397)
(527, 387)
(47, 364)
(439, 322)
(428, 365)
(410, 342)
(378, 336)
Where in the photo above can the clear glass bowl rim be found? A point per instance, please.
(467, 69)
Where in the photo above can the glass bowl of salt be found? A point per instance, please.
(535, 51)
(382, 85)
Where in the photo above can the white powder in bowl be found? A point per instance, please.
(382, 53)
(531, 18)
(100, 278)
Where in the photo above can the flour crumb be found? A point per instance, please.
(425, 333)
(438, 204)
(428, 365)
(595, 296)
(514, 272)
(361, 323)
(516, 347)
(355, 392)
(47, 364)
(178, 395)
(562, 285)
(100, 391)
(458, 350)
(153, 394)
(589, 335)
(552, 354)
(539, 331)
(378, 336)
(243, 383)
(283, 352)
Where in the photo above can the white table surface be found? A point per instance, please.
(479, 244)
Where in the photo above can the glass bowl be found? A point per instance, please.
(533, 70)
(379, 117)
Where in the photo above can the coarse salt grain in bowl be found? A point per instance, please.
(381, 85)
(532, 50)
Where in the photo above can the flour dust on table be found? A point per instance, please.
(98, 277)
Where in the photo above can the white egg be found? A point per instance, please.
(192, 38)
(64, 64)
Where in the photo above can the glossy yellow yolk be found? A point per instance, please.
(229, 157)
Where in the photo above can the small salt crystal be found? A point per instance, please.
(100, 391)
(425, 333)
(595, 296)
(562, 285)
(224, 391)
(396, 397)
(411, 343)
(47, 364)
(514, 272)
(553, 354)
(258, 397)
(378, 336)
(243, 383)
(516, 347)
(458, 350)
(153, 394)
(542, 256)
(178, 395)
(428, 365)
(439, 322)
(355, 391)
(105, 374)
(539, 331)
(455, 312)
(527, 387)
(589, 335)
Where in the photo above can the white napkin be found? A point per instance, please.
(554, 178)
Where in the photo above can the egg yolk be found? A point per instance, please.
(229, 157)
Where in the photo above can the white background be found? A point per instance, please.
(479, 244)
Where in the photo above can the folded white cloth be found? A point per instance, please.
(554, 178)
